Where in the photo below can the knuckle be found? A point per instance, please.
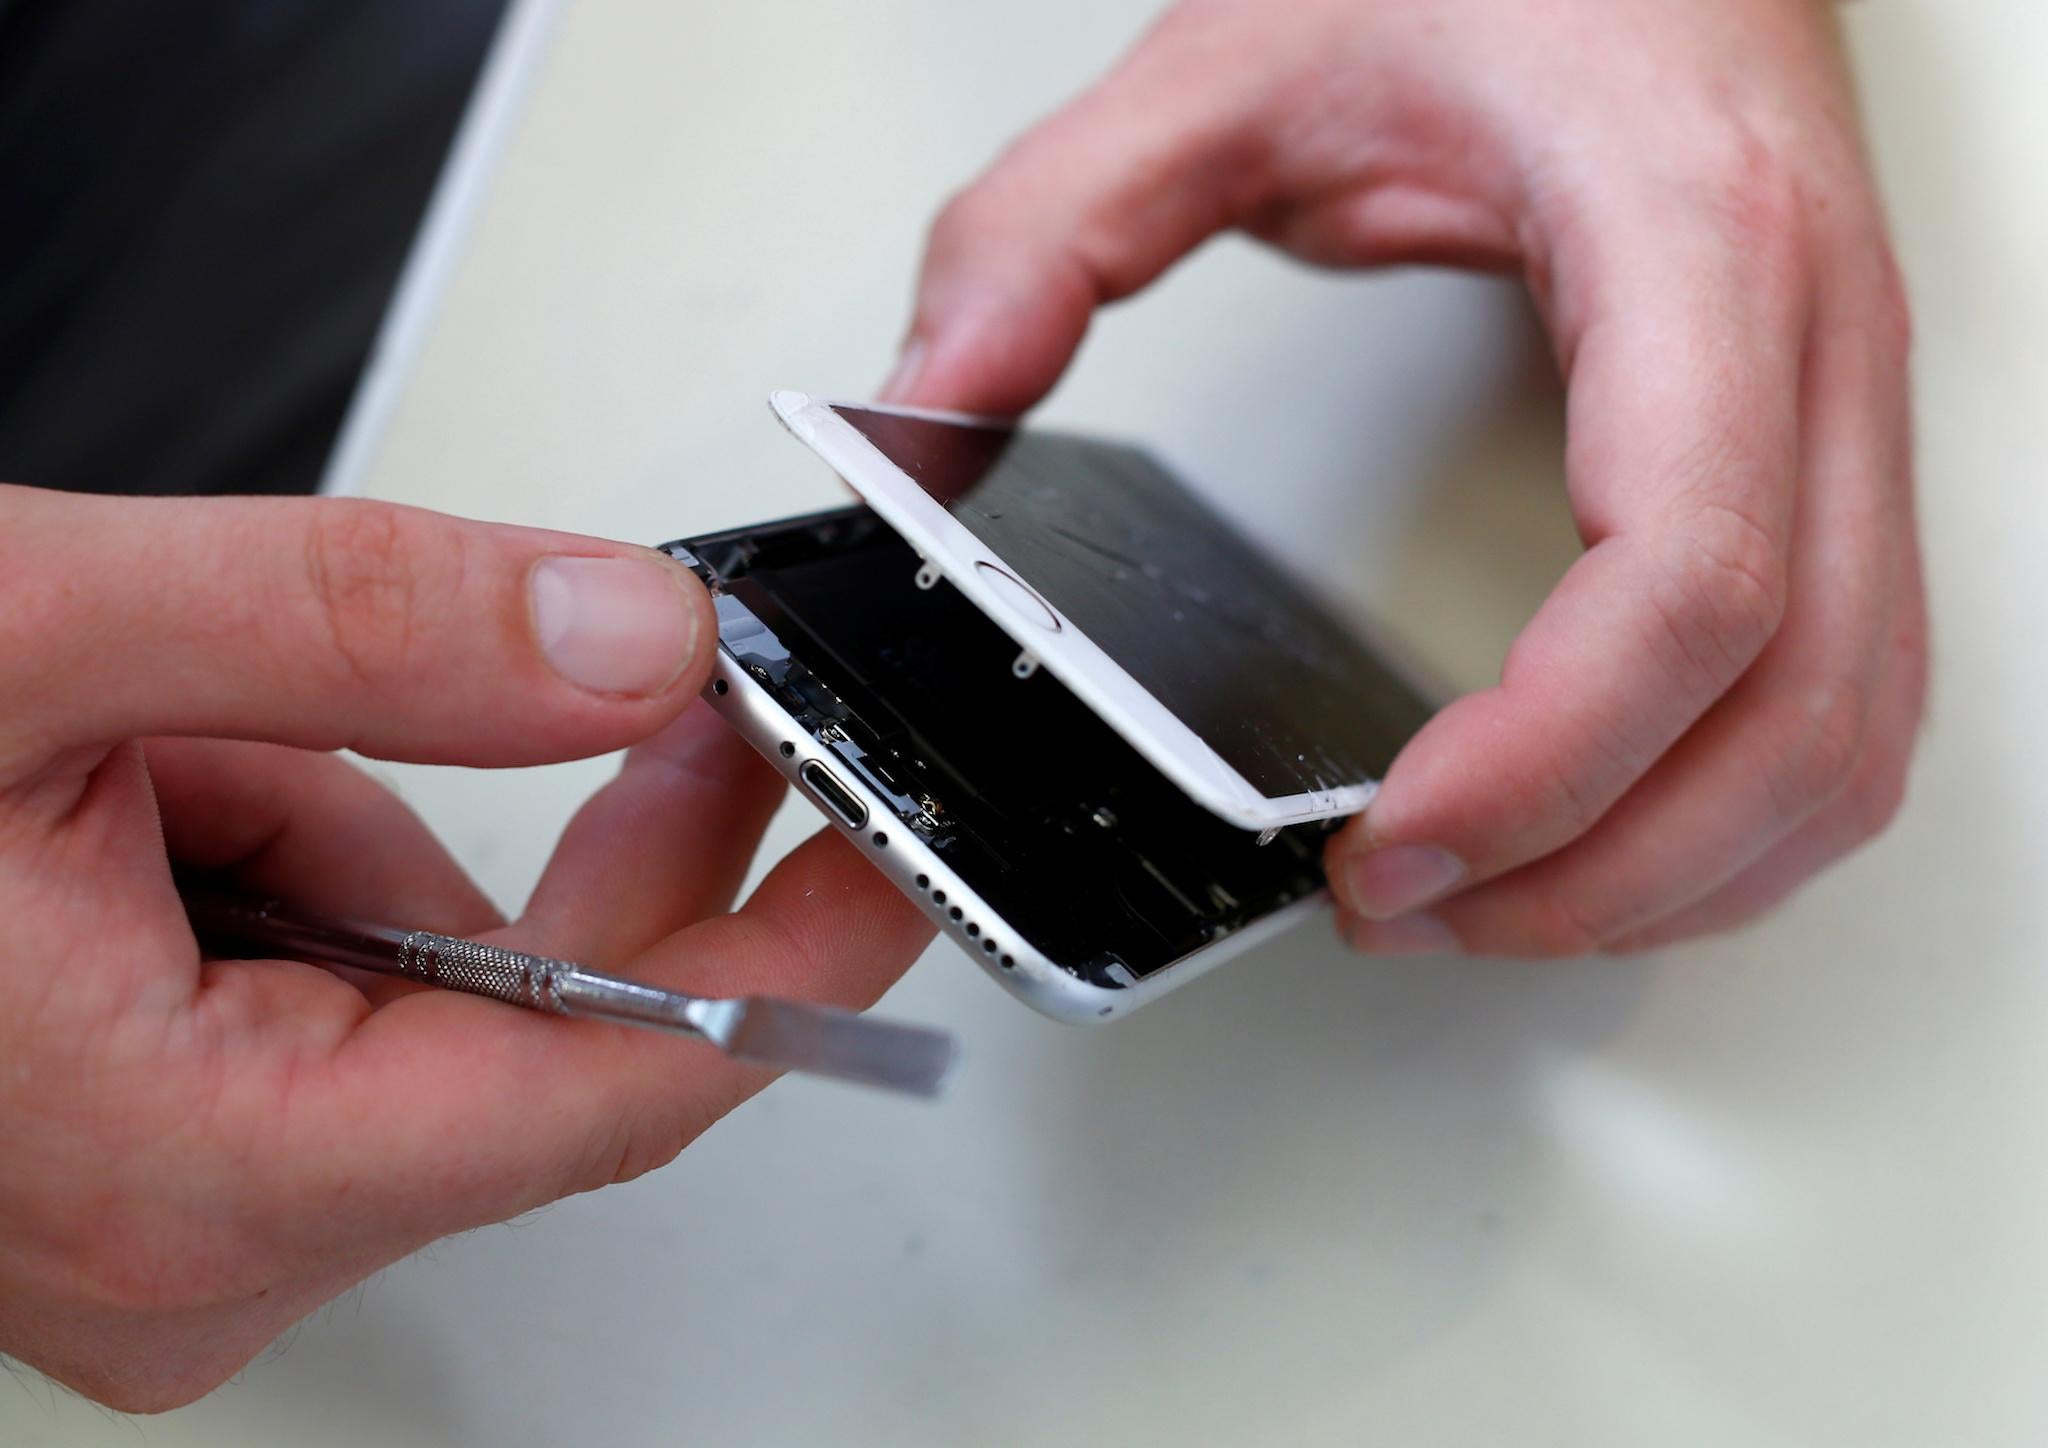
(1876, 799)
(1835, 730)
(957, 222)
(642, 1139)
(978, 215)
(1535, 915)
(628, 1148)
(1724, 593)
(1752, 184)
(1599, 751)
(36, 596)
(1564, 925)
(368, 576)
(1575, 801)
(1817, 743)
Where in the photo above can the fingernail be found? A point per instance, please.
(1397, 879)
(613, 625)
(908, 366)
(1418, 934)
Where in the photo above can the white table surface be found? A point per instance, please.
(1785, 1188)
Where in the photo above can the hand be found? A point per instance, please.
(1721, 695)
(199, 1153)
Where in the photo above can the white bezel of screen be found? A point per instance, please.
(1074, 659)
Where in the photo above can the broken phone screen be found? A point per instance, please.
(1239, 651)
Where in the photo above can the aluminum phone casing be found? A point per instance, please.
(948, 901)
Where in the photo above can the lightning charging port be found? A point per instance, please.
(835, 796)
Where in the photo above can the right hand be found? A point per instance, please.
(198, 1153)
(1722, 694)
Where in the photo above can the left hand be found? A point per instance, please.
(198, 1152)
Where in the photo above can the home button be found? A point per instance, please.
(1021, 599)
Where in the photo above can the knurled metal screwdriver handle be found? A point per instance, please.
(484, 970)
(556, 987)
(789, 1035)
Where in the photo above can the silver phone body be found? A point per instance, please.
(1100, 781)
(950, 902)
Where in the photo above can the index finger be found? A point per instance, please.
(1087, 207)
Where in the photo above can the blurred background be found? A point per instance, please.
(1789, 1187)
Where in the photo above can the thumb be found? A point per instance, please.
(329, 623)
(1090, 206)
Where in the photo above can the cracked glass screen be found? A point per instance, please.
(1220, 635)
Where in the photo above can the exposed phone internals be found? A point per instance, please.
(1070, 867)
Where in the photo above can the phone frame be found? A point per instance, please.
(948, 901)
(1043, 636)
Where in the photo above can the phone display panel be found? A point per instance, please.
(1221, 636)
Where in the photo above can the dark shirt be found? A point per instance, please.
(204, 208)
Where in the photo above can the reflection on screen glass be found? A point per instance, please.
(1220, 635)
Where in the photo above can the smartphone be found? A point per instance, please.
(1067, 708)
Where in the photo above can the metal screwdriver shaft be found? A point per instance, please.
(792, 1035)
